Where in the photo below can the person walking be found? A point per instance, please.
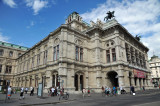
(26, 90)
(83, 92)
(52, 91)
(9, 92)
(114, 91)
(89, 92)
(32, 90)
(21, 93)
(132, 90)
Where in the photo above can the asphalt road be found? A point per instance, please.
(147, 98)
(127, 100)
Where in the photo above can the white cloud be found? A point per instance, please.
(36, 5)
(137, 16)
(32, 23)
(10, 3)
(3, 38)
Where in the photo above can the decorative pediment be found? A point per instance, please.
(78, 42)
(109, 43)
(56, 41)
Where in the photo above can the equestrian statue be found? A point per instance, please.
(110, 15)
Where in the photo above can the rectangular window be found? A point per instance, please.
(32, 62)
(28, 64)
(24, 66)
(56, 53)
(81, 54)
(8, 69)
(10, 53)
(1, 52)
(45, 57)
(38, 59)
(108, 56)
(113, 54)
(77, 53)
(0, 68)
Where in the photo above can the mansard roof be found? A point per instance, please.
(14, 46)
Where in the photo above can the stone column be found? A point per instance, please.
(78, 82)
(138, 83)
(70, 80)
(28, 81)
(49, 79)
(121, 77)
(132, 81)
(86, 79)
(33, 80)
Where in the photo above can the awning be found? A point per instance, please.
(139, 74)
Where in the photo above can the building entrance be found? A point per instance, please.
(55, 82)
(78, 82)
(113, 78)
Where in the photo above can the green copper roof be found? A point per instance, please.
(13, 46)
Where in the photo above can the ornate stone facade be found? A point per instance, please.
(8, 55)
(154, 65)
(79, 55)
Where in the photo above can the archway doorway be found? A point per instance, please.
(113, 78)
(78, 81)
(55, 82)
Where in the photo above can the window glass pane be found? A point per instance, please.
(1, 52)
(81, 54)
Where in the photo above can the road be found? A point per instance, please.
(147, 98)
(126, 100)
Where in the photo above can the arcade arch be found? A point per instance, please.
(113, 78)
(79, 81)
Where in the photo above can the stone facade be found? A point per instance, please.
(79, 55)
(154, 65)
(8, 55)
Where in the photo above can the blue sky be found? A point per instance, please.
(26, 22)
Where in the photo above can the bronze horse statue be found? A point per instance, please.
(109, 15)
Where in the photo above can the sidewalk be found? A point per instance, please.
(34, 100)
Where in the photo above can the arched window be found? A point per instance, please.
(1, 52)
(10, 53)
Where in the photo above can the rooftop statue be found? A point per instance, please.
(109, 15)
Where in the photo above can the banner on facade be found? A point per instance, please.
(139, 74)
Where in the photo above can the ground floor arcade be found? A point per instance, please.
(75, 79)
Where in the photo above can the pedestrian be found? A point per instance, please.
(21, 93)
(107, 91)
(9, 92)
(62, 89)
(52, 91)
(132, 90)
(55, 92)
(83, 92)
(26, 90)
(32, 90)
(114, 91)
(159, 86)
(89, 92)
